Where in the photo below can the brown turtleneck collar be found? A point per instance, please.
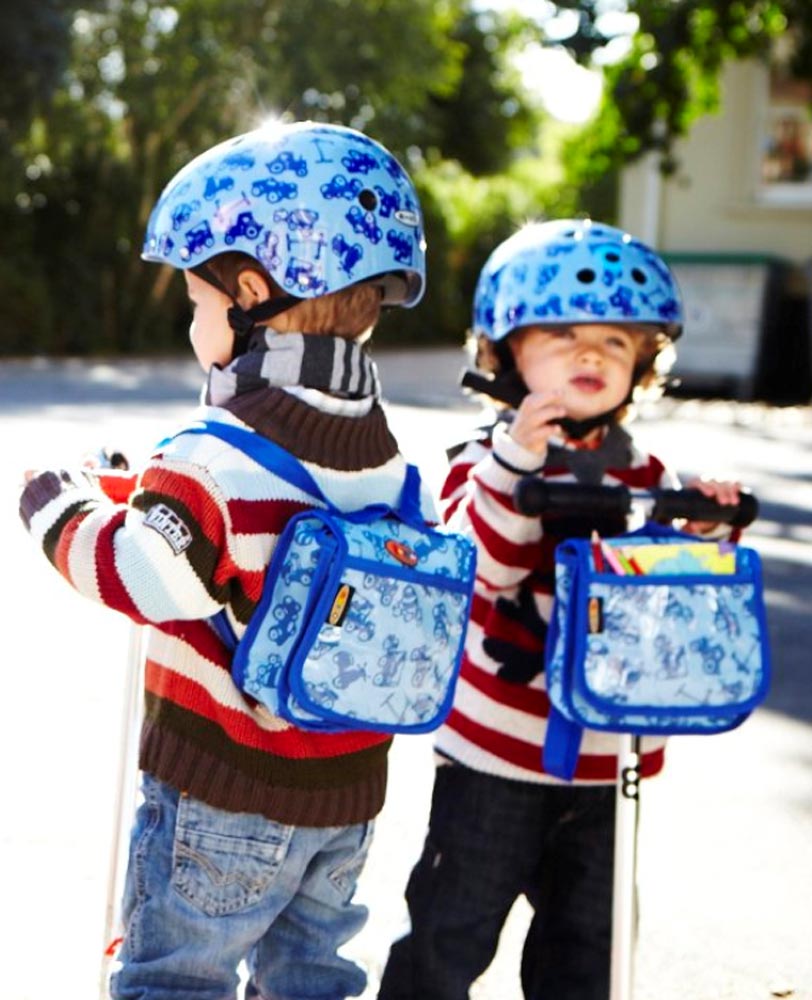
(346, 443)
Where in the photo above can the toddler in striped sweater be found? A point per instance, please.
(570, 317)
(252, 833)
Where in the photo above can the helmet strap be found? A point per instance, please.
(578, 429)
(244, 321)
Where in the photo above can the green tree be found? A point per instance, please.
(148, 84)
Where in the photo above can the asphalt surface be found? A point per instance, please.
(725, 843)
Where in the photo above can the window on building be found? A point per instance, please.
(786, 153)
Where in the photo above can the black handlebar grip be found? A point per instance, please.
(535, 496)
(695, 506)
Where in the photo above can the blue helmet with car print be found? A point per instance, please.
(574, 271)
(321, 207)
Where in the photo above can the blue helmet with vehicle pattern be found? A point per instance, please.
(321, 207)
(574, 271)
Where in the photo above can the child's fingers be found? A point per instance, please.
(722, 491)
(542, 408)
(535, 421)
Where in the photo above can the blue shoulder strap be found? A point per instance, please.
(267, 453)
(562, 741)
(285, 465)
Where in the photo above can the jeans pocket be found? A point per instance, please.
(344, 876)
(224, 862)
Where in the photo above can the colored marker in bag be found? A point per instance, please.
(597, 554)
(625, 562)
(611, 557)
(635, 567)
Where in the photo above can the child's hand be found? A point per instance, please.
(534, 424)
(722, 491)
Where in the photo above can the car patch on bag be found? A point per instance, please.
(401, 552)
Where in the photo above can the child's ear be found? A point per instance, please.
(252, 288)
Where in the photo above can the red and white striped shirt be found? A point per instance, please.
(499, 718)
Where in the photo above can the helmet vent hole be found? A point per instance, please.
(586, 276)
(613, 257)
(368, 199)
(638, 276)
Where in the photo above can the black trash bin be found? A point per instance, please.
(746, 332)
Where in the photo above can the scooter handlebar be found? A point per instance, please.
(535, 496)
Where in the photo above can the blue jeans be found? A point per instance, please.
(207, 889)
(489, 841)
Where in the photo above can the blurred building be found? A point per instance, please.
(735, 221)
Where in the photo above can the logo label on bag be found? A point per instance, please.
(169, 526)
(401, 552)
(341, 604)
(594, 615)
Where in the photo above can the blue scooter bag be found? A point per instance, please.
(679, 646)
(363, 615)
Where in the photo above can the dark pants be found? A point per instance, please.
(489, 841)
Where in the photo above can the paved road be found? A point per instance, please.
(725, 868)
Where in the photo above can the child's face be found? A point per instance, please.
(211, 336)
(589, 365)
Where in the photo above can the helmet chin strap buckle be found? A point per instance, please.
(244, 321)
(578, 429)
(240, 322)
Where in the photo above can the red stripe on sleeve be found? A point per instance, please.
(62, 549)
(641, 476)
(498, 547)
(268, 516)
(503, 499)
(111, 589)
(455, 480)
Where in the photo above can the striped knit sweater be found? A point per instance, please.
(498, 721)
(193, 534)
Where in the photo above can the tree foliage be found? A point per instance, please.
(670, 74)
